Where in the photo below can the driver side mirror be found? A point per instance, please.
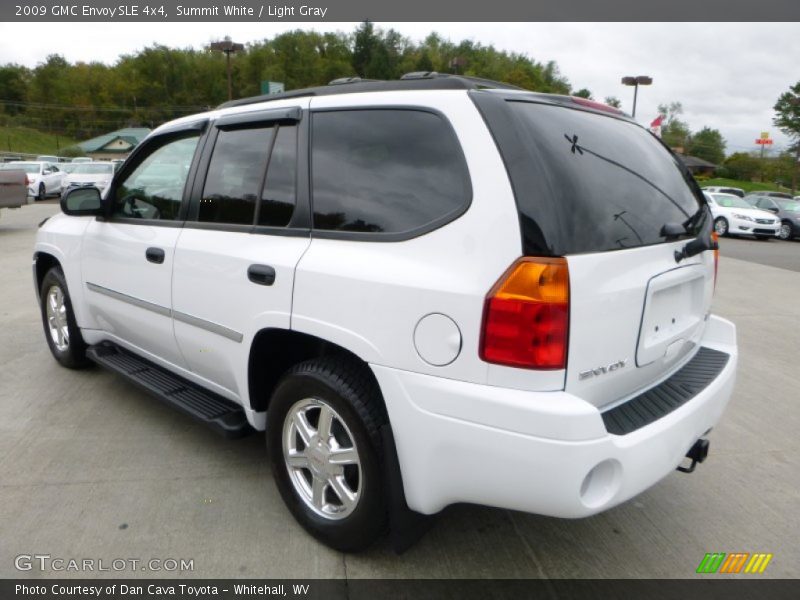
(82, 202)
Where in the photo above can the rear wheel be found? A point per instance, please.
(785, 232)
(323, 437)
(60, 328)
(721, 226)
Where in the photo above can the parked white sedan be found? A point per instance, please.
(98, 174)
(44, 178)
(735, 216)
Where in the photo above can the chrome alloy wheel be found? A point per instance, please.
(785, 232)
(57, 318)
(321, 457)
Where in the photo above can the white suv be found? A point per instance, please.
(426, 291)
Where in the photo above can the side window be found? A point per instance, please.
(235, 174)
(385, 170)
(154, 189)
(278, 197)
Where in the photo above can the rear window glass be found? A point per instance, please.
(596, 183)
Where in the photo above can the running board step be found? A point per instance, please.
(226, 417)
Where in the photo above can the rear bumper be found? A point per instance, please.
(548, 452)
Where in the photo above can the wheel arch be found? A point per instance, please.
(275, 350)
(42, 263)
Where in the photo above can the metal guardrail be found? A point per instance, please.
(6, 156)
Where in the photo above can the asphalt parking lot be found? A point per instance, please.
(90, 467)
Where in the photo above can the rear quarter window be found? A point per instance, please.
(386, 172)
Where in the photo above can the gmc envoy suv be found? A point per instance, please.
(426, 291)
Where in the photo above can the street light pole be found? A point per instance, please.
(636, 82)
(228, 47)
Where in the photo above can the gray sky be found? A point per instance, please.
(728, 76)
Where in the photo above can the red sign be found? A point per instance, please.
(767, 142)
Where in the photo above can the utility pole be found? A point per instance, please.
(228, 47)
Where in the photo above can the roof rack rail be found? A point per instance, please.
(420, 80)
(480, 82)
(345, 80)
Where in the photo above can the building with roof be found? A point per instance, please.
(698, 166)
(117, 144)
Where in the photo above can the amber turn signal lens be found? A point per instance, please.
(526, 316)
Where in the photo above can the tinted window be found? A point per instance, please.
(278, 197)
(389, 171)
(790, 205)
(618, 184)
(766, 203)
(587, 182)
(234, 176)
(155, 188)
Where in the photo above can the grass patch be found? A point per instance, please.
(31, 141)
(747, 186)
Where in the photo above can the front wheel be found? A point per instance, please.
(42, 192)
(721, 226)
(785, 232)
(323, 438)
(60, 327)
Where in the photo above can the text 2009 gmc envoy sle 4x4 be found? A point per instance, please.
(426, 291)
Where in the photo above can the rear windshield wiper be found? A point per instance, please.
(701, 243)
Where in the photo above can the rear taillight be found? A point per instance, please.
(526, 316)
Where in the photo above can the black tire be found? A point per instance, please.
(73, 356)
(42, 192)
(786, 231)
(348, 388)
(721, 226)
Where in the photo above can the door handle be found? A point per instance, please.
(261, 274)
(155, 255)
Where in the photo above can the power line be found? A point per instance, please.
(177, 107)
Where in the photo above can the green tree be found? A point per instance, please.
(741, 165)
(787, 118)
(583, 93)
(707, 144)
(13, 88)
(674, 132)
(613, 101)
(366, 41)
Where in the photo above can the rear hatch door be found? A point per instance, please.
(601, 190)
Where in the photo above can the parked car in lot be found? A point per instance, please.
(13, 188)
(44, 178)
(734, 216)
(48, 158)
(714, 189)
(497, 296)
(768, 194)
(787, 210)
(98, 174)
(82, 159)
